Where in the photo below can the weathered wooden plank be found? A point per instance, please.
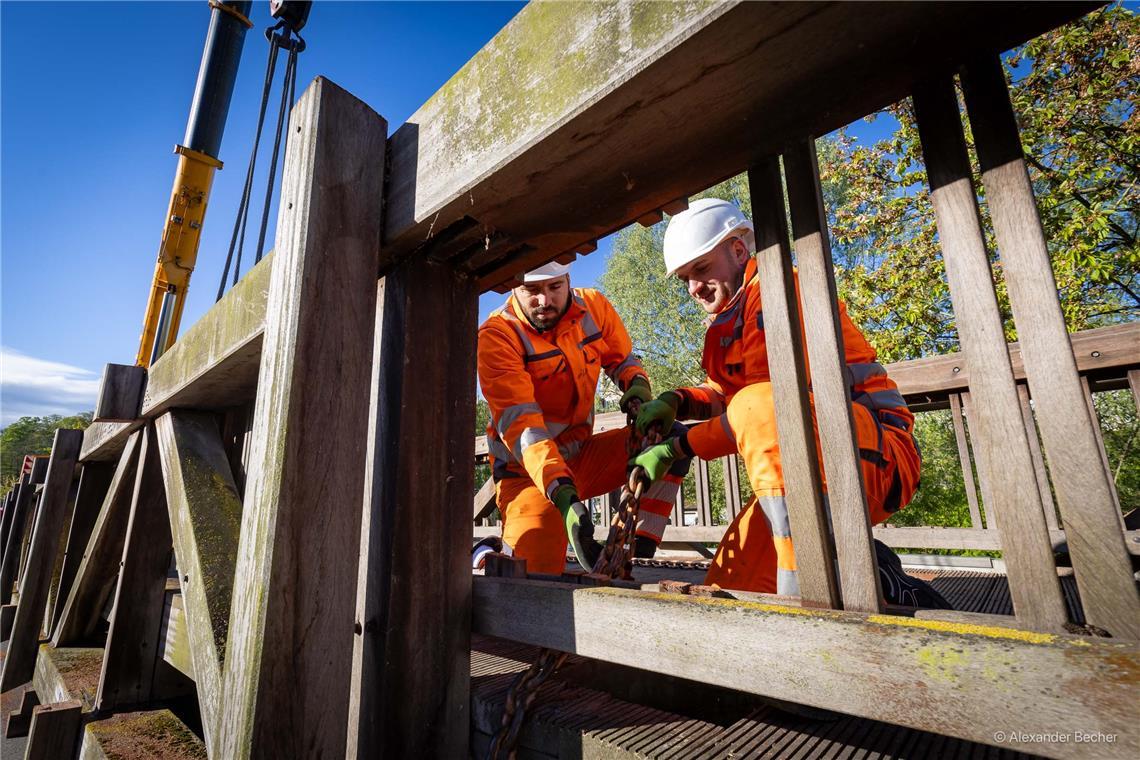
(20, 720)
(555, 133)
(94, 481)
(732, 503)
(99, 564)
(214, 363)
(7, 617)
(1134, 385)
(1038, 460)
(997, 430)
(20, 660)
(1098, 439)
(133, 642)
(964, 461)
(120, 393)
(703, 494)
(205, 523)
(1068, 680)
(104, 441)
(794, 426)
(1085, 493)
(411, 655)
(484, 501)
(21, 512)
(68, 673)
(54, 732)
(858, 570)
(289, 646)
(60, 556)
(153, 733)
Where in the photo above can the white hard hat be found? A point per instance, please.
(698, 229)
(547, 271)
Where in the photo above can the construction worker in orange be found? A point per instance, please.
(540, 356)
(709, 247)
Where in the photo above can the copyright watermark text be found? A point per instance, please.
(1053, 737)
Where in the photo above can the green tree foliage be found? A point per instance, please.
(1075, 93)
(31, 435)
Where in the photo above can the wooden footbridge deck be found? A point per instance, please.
(261, 547)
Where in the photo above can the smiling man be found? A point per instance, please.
(709, 248)
(540, 356)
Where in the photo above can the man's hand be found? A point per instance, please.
(579, 526)
(639, 390)
(661, 410)
(656, 460)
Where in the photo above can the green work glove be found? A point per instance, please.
(638, 389)
(662, 409)
(579, 526)
(656, 460)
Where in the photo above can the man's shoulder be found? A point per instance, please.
(592, 296)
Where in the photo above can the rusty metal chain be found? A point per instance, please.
(616, 560)
(519, 697)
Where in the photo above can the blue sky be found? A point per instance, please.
(93, 97)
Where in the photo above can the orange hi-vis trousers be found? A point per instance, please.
(532, 526)
(756, 553)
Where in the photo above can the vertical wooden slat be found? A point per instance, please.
(205, 522)
(411, 659)
(814, 563)
(99, 564)
(996, 427)
(94, 480)
(678, 514)
(858, 570)
(20, 661)
(1090, 406)
(1038, 460)
(21, 512)
(289, 646)
(704, 497)
(964, 461)
(54, 732)
(1085, 493)
(731, 487)
(1134, 385)
(132, 648)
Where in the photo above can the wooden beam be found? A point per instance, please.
(1038, 460)
(132, 649)
(850, 521)
(289, 646)
(151, 733)
(795, 428)
(22, 508)
(411, 655)
(205, 523)
(484, 502)
(104, 441)
(99, 564)
(94, 480)
(964, 461)
(54, 732)
(1071, 681)
(578, 118)
(214, 363)
(20, 659)
(120, 393)
(997, 429)
(1086, 494)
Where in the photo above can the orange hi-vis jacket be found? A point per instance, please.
(540, 386)
(736, 355)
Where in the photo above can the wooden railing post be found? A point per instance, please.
(411, 659)
(289, 646)
(858, 571)
(996, 426)
(809, 522)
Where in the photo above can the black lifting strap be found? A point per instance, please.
(281, 36)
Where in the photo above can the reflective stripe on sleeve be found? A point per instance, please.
(512, 413)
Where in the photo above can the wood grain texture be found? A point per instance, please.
(120, 393)
(20, 659)
(412, 650)
(289, 646)
(916, 671)
(54, 733)
(579, 118)
(782, 329)
(99, 562)
(22, 507)
(1134, 386)
(1085, 492)
(205, 523)
(997, 429)
(964, 461)
(731, 486)
(858, 570)
(133, 643)
(104, 441)
(94, 480)
(1038, 460)
(484, 502)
